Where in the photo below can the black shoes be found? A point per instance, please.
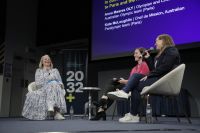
(99, 115)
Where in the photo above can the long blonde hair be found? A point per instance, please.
(41, 62)
(167, 42)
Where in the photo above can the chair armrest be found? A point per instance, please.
(32, 87)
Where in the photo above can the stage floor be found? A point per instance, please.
(79, 125)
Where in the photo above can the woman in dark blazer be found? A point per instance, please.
(167, 58)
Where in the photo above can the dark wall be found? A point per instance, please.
(2, 20)
(105, 65)
(20, 54)
(62, 21)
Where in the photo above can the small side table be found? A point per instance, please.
(90, 89)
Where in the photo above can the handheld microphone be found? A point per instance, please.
(148, 50)
(115, 81)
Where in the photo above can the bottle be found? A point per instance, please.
(71, 112)
(149, 117)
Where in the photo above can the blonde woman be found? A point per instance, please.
(167, 58)
(49, 98)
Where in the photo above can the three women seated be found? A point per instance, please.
(49, 98)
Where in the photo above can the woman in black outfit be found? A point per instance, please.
(167, 59)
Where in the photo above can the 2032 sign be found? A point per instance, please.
(74, 81)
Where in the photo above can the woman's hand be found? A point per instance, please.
(146, 54)
(123, 81)
(62, 86)
(143, 79)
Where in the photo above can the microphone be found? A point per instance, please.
(150, 50)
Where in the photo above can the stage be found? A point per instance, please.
(82, 125)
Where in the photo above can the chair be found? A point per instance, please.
(32, 87)
(168, 85)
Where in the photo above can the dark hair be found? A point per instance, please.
(141, 49)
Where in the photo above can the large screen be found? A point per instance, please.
(119, 26)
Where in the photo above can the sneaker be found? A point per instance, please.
(118, 95)
(126, 115)
(130, 119)
(58, 116)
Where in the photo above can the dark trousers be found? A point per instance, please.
(133, 82)
(135, 94)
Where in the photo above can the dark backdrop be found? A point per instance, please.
(62, 21)
(2, 20)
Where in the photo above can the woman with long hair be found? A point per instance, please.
(166, 59)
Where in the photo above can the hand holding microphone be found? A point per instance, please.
(147, 52)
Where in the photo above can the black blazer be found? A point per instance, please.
(167, 61)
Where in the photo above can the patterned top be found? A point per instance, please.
(43, 77)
